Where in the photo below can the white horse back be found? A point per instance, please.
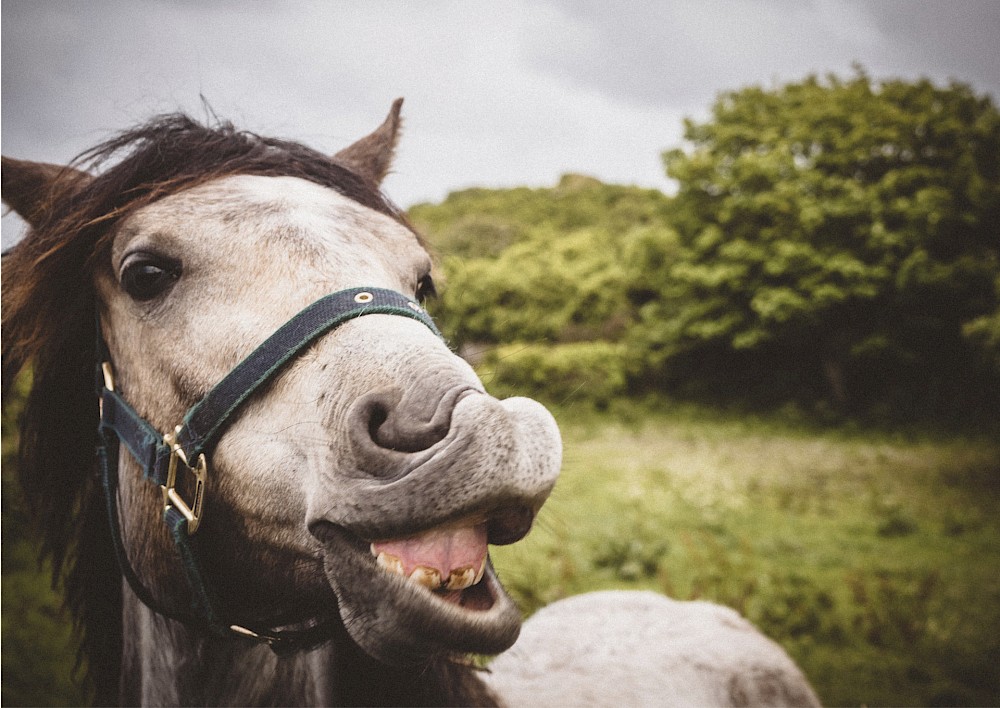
(620, 648)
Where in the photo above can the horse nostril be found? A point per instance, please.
(377, 417)
(400, 430)
(410, 422)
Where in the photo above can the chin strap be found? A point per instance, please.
(164, 458)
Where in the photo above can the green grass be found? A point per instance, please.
(873, 559)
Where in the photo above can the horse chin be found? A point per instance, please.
(400, 622)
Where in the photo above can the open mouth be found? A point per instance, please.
(406, 598)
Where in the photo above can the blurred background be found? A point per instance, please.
(748, 253)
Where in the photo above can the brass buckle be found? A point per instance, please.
(171, 497)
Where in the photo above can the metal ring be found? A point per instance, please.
(363, 298)
(415, 307)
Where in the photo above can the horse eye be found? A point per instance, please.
(145, 276)
(425, 288)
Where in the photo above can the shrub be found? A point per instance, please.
(582, 371)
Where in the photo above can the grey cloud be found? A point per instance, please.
(649, 52)
(497, 94)
(959, 40)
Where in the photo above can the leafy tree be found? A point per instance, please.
(545, 265)
(565, 268)
(554, 287)
(483, 223)
(590, 371)
(837, 237)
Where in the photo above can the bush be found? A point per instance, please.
(581, 371)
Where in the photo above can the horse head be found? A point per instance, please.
(362, 481)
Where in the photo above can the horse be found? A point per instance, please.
(294, 481)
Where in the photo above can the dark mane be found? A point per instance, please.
(48, 326)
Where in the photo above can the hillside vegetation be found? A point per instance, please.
(833, 247)
(566, 268)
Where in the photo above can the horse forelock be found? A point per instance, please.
(49, 312)
(54, 264)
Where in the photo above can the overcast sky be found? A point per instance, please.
(497, 93)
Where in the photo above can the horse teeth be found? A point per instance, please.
(430, 578)
(461, 578)
(390, 563)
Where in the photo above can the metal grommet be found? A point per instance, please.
(363, 298)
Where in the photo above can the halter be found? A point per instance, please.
(185, 450)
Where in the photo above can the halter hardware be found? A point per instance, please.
(162, 457)
(108, 374)
(171, 497)
(255, 636)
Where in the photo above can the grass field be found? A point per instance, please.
(873, 559)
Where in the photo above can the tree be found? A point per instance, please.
(837, 237)
(539, 286)
(545, 265)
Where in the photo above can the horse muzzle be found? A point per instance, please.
(405, 523)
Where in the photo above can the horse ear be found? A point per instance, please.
(30, 188)
(371, 157)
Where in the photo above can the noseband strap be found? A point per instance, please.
(161, 455)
